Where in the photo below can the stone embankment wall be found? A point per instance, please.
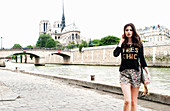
(157, 55)
(103, 55)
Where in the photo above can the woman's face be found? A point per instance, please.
(128, 31)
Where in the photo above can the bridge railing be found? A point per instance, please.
(21, 49)
(5, 57)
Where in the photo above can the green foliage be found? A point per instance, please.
(50, 43)
(80, 47)
(90, 43)
(42, 40)
(84, 43)
(57, 42)
(31, 56)
(29, 46)
(21, 55)
(17, 46)
(109, 40)
(163, 58)
(71, 45)
(14, 57)
(95, 41)
(21, 58)
(59, 46)
(158, 58)
(149, 58)
(144, 41)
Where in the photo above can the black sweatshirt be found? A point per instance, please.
(130, 57)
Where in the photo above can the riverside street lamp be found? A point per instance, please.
(1, 42)
(40, 42)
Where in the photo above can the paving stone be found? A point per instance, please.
(42, 94)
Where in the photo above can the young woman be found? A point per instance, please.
(131, 49)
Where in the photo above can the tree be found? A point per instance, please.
(71, 45)
(42, 40)
(80, 47)
(84, 43)
(14, 57)
(95, 42)
(59, 46)
(29, 46)
(57, 42)
(90, 43)
(50, 43)
(109, 40)
(17, 46)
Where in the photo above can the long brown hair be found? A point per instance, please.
(136, 40)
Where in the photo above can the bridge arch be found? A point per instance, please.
(39, 61)
(34, 55)
(66, 57)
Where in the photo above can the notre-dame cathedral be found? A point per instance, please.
(61, 32)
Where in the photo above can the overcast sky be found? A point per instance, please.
(19, 19)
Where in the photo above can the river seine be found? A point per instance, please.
(160, 77)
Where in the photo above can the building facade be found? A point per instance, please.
(61, 32)
(155, 34)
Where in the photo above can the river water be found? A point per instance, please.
(160, 77)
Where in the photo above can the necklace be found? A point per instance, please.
(130, 44)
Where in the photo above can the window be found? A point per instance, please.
(44, 27)
(161, 38)
(58, 25)
(158, 38)
(58, 37)
(72, 36)
(55, 37)
(55, 31)
(76, 36)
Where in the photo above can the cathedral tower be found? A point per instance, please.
(44, 27)
(60, 32)
(63, 19)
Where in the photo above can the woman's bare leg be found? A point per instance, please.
(127, 96)
(134, 96)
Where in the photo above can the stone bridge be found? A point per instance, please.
(158, 55)
(39, 54)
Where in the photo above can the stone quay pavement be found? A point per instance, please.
(23, 92)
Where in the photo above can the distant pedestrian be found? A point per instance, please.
(131, 49)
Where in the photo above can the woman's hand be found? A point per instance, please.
(122, 40)
(148, 78)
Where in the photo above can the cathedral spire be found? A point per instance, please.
(63, 19)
